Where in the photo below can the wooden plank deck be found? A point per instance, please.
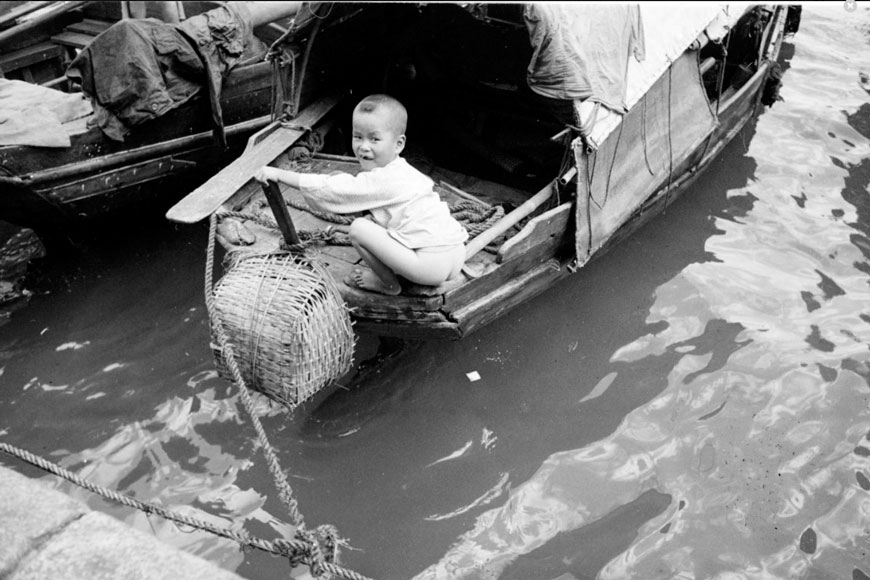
(73, 39)
(89, 26)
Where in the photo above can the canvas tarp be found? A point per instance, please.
(669, 117)
(671, 120)
(668, 30)
(139, 69)
(34, 115)
(581, 51)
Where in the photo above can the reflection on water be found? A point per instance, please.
(760, 439)
(696, 404)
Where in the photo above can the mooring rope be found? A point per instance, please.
(284, 489)
(318, 548)
(304, 549)
(285, 492)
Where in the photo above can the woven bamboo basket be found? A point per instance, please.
(289, 328)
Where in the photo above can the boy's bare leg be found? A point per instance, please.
(365, 234)
(379, 279)
(388, 258)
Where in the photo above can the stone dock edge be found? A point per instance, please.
(45, 533)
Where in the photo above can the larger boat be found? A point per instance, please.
(508, 116)
(68, 75)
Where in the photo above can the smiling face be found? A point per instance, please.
(377, 137)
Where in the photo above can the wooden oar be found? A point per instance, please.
(263, 148)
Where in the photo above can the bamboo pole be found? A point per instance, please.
(508, 221)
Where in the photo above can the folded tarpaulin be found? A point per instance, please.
(139, 69)
(34, 115)
(581, 51)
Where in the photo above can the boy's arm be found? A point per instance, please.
(339, 193)
(267, 173)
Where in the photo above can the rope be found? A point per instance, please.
(643, 137)
(475, 218)
(330, 235)
(670, 144)
(284, 489)
(314, 557)
(305, 548)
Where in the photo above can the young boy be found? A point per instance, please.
(410, 232)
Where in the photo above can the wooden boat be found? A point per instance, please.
(568, 192)
(95, 174)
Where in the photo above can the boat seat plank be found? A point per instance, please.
(28, 56)
(89, 26)
(401, 307)
(73, 39)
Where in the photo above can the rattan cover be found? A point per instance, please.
(289, 328)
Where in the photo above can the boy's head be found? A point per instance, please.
(379, 123)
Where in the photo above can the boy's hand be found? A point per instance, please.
(266, 174)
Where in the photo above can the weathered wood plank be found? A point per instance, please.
(372, 304)
(510, 220)
(22, 10)
(209, 196)
(74, 39)
(89, 26)
(513, 293)
(493, 278)
(552, 225)
(243, 80)
(118, 178)
(29, 56)
(409, 331)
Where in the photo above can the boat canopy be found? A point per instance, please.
(667, 115)
(580, 51)
(665, 31)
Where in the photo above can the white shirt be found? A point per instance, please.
(400, 199)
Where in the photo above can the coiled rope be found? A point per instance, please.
(476, 218)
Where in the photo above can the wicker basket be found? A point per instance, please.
(289, 328)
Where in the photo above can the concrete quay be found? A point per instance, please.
(46, 534)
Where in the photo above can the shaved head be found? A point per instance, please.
(396, 112)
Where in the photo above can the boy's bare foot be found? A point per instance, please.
(368, 280)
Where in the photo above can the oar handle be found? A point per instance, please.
(281, 213)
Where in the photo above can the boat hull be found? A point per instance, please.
(545, 242)
(47, 187)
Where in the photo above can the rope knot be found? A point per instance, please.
(313, 553)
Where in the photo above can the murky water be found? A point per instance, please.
(695, 404)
